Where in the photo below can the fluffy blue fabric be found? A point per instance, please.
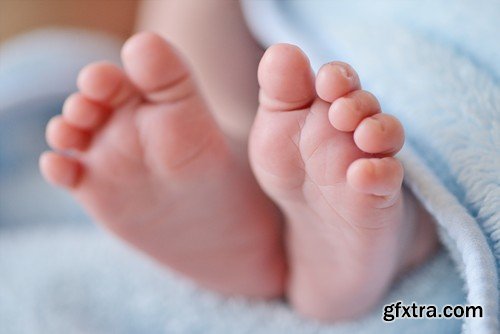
(435, 65)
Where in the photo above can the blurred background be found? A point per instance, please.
(113, 16)
(43, 45)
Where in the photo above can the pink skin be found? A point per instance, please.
(323, 151)
(140, 150)
(142, 153)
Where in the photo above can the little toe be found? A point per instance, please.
(157, 69)
(348, 111)
(285, 78)
(60, 170)
(379, 177)
(105, 83)
(63, 136)
(83, 113)
(336, 79)
(379, 134)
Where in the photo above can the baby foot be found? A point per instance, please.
(323, 151)
(142, 153)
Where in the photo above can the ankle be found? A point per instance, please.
(424, 239)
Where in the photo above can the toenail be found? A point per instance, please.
(376, 122)
(345, 72)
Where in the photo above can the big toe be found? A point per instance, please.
(156, 68)
(285, 78)
(286, 92)
(176, 126)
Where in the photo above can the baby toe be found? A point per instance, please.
(60, 170)
(285, 78)
(157, 69)
(286, 91)
(379, 177)
(63, 136)
(105, 83)
(348, 111)
(82, 113)
(379, 134)
(335, 79)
